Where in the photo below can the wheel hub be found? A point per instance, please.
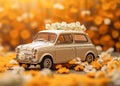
(47, 63)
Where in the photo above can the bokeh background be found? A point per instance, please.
(20, 20)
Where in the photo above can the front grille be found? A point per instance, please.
(24, 56)
(28, 56)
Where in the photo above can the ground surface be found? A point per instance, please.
(104, 71)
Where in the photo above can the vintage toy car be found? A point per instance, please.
(57, 46)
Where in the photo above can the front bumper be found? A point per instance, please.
(26, 62)
(26, 58)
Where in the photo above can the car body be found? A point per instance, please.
(56, 46)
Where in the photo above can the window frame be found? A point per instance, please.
(80, 40)
(49, 36)
(67, 35)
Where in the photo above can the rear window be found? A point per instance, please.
(78, 38)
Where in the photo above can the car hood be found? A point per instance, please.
(35, 45)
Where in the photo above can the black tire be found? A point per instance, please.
(89, 57)
(26, 68)
(46, 62)
(20, 64)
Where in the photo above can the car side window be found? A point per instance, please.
(65, 39)
(78, 38)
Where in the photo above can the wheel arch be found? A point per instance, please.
(90, 52)
(46, 55)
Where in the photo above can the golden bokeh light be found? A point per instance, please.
(20, 20)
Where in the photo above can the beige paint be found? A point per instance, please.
(60, 53)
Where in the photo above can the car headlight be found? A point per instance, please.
(17, 49)
(34, 51)
(21, 56)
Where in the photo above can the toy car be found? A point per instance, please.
(56, 46)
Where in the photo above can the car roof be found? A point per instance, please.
(62, 31)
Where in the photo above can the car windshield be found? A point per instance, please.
(46, 37)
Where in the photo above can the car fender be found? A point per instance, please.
(90, 52)
(45, 54)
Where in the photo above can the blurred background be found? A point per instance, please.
(20, 20)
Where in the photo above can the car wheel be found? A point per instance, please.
(25, 66)
(47, 63)
(20, 64)
(89, 57)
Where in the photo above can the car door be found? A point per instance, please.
(81, 45)
(63, 48)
